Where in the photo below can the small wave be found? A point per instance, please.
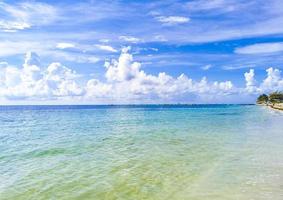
(234, 113)
(4, 119)
(48, 152)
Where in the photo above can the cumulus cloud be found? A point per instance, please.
(249, 76)
(32, 82)
(126, 82)
(124, 69)
(250, 81)
(62, 80)
(98, 90)
(273, 81)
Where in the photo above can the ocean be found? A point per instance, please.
(157, 152)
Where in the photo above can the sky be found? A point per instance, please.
(140, 52)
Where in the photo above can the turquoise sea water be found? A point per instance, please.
(141, 152)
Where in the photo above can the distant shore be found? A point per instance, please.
(273, 100)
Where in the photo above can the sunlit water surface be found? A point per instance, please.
(141, 152)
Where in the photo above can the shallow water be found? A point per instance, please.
(141, 152)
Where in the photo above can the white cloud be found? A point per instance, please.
(160, 38)
(236, 19)
(106, 48)
(73, 57)
(61, 80)
(124, 69)
(64, 45)
(250, 81)
(249, 76)
(129, 39)
(260, 48)
(220, 5)
(8, 26)
(31, 68)
(78, 56)
(172, 20)
(91, 59)
(104, 40)
(24, 15)
(97, 89)
(3, 64)
(206, 67)
(31, 59)
(8, 48)
(85, 47)
(12, 76)
(126, 82)
(242, 20)
(46, 48)
(32, 82)
(273, 81)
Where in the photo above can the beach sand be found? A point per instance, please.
(278, 106)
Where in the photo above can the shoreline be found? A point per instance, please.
(277, 106)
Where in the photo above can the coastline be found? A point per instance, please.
(276, 106)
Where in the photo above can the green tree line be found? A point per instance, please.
(272, 98)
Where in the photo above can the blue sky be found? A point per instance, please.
(63, 52)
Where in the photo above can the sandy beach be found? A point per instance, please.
(278, 106)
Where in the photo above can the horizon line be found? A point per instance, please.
(142, 104)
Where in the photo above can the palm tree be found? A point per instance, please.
(276, 97)
(262, 99)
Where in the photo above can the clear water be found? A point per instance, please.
(141, 152)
